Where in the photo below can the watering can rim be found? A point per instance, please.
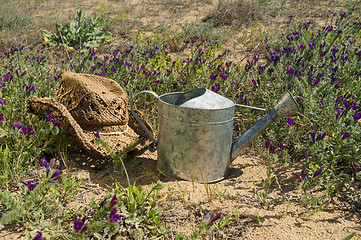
(231, 103)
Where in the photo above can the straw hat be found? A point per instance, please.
(85, 103)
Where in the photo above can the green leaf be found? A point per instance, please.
(55, 131)
(349, 236)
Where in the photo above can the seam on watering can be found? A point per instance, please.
(200, 123)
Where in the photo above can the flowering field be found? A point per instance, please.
(317, 58)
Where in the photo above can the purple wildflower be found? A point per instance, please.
(17, 125)
(78, 225)
(261, 68)
(282, 146)
(52, 162)
(348, 123)
(96, 134)
(2, 84)
(1, 117)
(290, 71)
(55, 122)
(56, 174)
(23, 74)
(345, 135)
(6, 77)
(323, 53)
(114, 201)
(47, 117)
(273, 149)
(216, 87)
(31, 186)
(38, 236)
(44, 163)
(334, 79)
(318, 172)
(356, 116)
(24, 130)
(290, 121)
(3, 101)
(27, 131)
(212, 218)
(114, 217)
(323, 135)
(338, 112)
(254, 81)
(102, 204)
(266, 144)
(313, 136)
(303, 176)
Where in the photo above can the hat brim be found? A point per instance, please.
(117, 140)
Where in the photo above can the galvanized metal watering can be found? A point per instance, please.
(195, 133)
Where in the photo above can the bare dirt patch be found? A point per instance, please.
(187, 202)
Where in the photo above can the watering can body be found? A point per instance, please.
(194, 139)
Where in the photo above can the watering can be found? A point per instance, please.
(194, 139)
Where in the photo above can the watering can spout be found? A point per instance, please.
(286, 107)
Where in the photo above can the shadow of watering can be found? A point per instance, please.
(195, 133)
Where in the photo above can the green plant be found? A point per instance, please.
(78, 33)
(40, 200)
(318, 65)
(13, 22)
(25, 137)
(266, 183)
(309, 199)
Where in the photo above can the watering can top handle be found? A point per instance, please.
(138, 119)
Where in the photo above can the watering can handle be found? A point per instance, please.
(138, 119)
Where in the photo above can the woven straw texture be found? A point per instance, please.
(86, 103)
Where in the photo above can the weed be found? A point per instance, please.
(78, 32)
(266, 183)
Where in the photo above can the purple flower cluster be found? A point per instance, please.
(3, 102)
(29, 88)
(304, 174)
(211, 218)
(49, 118)
(30, 185)
(114, 217)
(56, 173)
(320, 137)
(273, 148)
(79, 225)
(28, 131)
